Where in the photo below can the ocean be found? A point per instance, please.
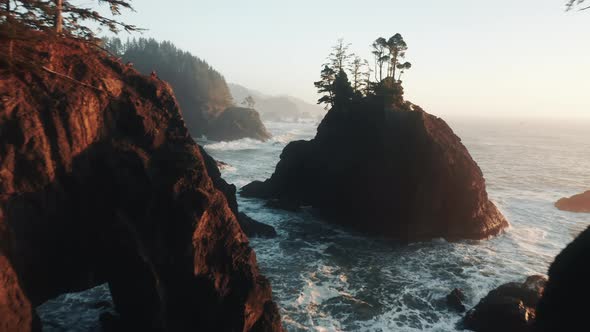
(327, 278)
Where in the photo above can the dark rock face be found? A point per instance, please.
(236, 123)
(403, 174)
(564, 306)
(510, 307)
(255, 228)
(455, 300)
(577, 203)
(101, 182)
(250, 226)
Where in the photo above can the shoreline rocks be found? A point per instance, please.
(399, 173)
(510, 307)
(578, 203)
(100, 182)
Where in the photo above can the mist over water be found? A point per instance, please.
(327, 278)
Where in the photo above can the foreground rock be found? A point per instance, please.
(101, 182)
(564, 306)
(577, 203)
(251, 227)
(399, 173)
(236, 123)
(508, 308)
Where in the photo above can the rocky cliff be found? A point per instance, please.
(400, 173)
(101, 182)
(538, 304)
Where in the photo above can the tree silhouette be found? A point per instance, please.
(575, 4)
(339, 57)
(249, 102)
(379, 48)
(356, 71)
(326, 86)
(343, 92)
(397, 48)
(402, 68)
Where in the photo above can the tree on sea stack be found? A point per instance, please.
(338, 91)
(249, 102)
(326, 85)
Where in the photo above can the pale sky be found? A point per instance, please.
(484, 58)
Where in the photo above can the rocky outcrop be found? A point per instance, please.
(564, 304)
(399, 173)
(455, 300)
(236, 123)
(101, 182)
(578, 203)
(251, 227)
(510, 307)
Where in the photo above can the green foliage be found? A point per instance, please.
(201, 91)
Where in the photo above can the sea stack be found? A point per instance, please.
(100, 182)
(393, 171)
(578, 203)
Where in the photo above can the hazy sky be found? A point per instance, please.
(477, 57)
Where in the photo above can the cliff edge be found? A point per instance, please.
(101, 182)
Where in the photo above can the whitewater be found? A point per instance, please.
(327, 278)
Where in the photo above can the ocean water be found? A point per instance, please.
(326, 278)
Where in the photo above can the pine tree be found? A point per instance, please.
(326, 86)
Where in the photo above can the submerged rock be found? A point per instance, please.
(510, 307)
(578, 203)
(101, 182)
(455, 300)
(399, 173)
(564, 305)
(236, 123)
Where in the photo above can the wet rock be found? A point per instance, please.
(101, 182)
(398, 173)
(564, 306)
(251, 227)
(254, 228)
(455, 300)
(578, 203)
(221, 164)
(510, 307)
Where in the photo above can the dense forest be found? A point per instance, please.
(201, 91)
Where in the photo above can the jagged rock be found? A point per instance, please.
(455, 300)
(510, 307)
(101, 182)
(250, 226)
(255, 228)
(564, 305)
(578, 203)
(398, 173)
(236, 123)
